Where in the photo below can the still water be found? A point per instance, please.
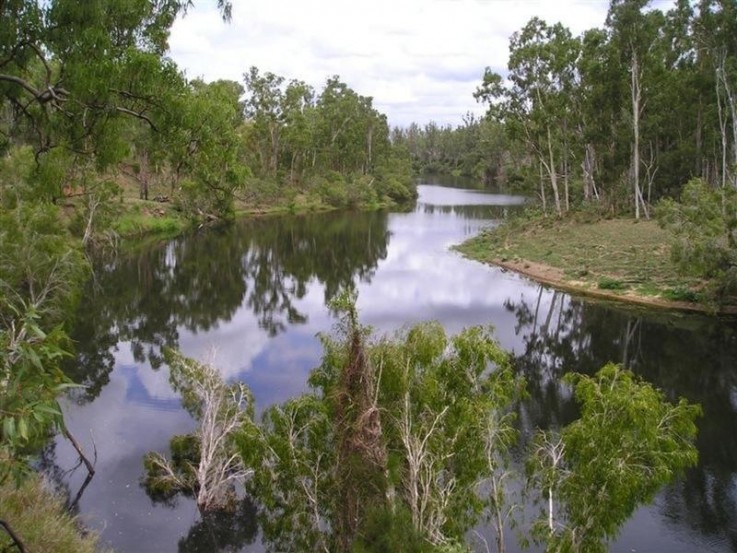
(255, 294)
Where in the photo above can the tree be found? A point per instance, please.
(208, 464)
(704, 225)
(536, 106)
(634, 36)
(68, 69)
(205, 147)
(628, 443)
(388, 417)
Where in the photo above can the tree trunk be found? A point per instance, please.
(722, 121)
(731, 101)
(588, 165)
(553, 175)
(636, 98)
(636, 111)
(542, 189)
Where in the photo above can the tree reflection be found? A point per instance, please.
(482, 212)
(222, 531)
(198, 281)
(685, 356)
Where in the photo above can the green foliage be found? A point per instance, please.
(295, 483)
(185, 456)
(627, 444)
(682, 294)
(39, 264)
(30, 382)
(405, 405)
(704, 224)
(136, 223)
(386, 529)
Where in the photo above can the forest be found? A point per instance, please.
(102, 137)
(625, 114)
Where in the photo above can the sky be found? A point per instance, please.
(420, 60)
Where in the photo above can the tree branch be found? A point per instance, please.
(138, 116)
(16, 540)
(20, 82)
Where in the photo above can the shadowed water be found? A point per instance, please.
(256, 293)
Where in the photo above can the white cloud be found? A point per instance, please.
(421, 60)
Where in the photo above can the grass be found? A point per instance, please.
(39, 520)
(137, 222)
(620, 255)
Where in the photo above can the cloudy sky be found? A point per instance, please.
(420, 60)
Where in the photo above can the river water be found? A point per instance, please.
(254, 296)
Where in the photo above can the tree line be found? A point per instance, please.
(621, 115)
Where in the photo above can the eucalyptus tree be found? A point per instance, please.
(379, 438)
(536, 107)
(350, 133)
(634, 36)
(714, 36)
(205, 148)
(209, 466)
(264, 107)
(628, 443)
(299, 128)
(69, 69)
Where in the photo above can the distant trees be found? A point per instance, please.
(476, 148)
(334, 141)
(629, 112)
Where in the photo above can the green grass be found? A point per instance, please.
(39, 520)
(608, 283)
(621, 255)
(139, 220)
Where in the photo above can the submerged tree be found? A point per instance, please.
(628, 443)
(205, 464)
(374, 451)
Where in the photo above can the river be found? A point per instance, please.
(254, 295)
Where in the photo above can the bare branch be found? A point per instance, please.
(20, 82)
(137, 115)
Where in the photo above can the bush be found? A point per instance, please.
(704, 226)
(608, 283)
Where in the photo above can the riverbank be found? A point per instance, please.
(40, 521)
(611, 259)
(136, 219)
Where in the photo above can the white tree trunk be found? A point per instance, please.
(636, 99)
(552, 173)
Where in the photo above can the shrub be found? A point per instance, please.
(704, 226)
(608, 283)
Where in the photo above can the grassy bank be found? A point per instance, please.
(39, 520)
(132, 217)
(620, 259)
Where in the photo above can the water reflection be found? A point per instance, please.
(481, 212)
(691, 357)
(222, 531)
(198, 282)
(258, 289)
